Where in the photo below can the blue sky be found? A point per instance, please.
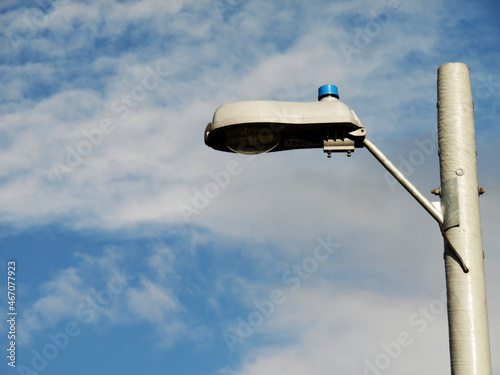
(103, 105)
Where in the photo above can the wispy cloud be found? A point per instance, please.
(100, 126)
(107, 289)
(324, 327)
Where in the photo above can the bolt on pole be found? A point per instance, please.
(466, 291)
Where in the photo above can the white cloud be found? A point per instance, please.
(151, 302)
(327, 328)
(155, 157)
(58, 301)
(83, 292)
(163, 262)
(110, 289)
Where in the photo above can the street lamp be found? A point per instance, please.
(254, 127)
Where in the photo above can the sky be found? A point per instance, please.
(139, 250)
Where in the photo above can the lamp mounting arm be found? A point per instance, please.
(424, 202)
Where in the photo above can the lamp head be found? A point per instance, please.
(254, 127)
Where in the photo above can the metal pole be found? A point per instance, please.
(467, 310)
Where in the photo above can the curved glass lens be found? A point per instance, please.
(251, 140)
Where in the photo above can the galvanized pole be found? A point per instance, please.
(466, 291)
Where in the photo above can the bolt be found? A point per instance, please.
(481, 191)
(436, 191)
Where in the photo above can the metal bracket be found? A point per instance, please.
(338, 145)
(449, 204)
(454, 250)
(451, 215)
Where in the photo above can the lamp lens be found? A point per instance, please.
(251, 140)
